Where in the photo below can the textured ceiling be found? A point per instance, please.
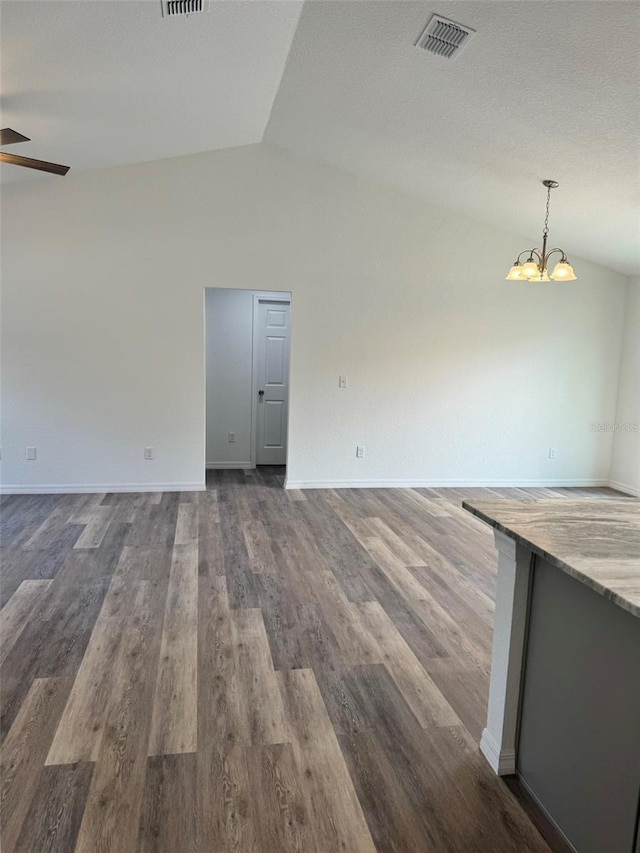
(97, 83)
(544, 89)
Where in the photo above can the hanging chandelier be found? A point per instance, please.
(535, 267)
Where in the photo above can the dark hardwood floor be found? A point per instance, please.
(248, 669)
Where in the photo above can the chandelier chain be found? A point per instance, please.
(546, 218)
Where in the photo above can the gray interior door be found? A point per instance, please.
(272, 342)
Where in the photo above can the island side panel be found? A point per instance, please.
(498, 742)
(579, 747)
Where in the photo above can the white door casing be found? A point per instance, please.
(271, 342)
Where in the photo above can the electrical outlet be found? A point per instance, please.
(31, 453)
(342, 382)
(232, 437)
(149, 453)
(360, 452)
(552, 453)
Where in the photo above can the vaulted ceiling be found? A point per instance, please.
(97, 83)
(543, 90)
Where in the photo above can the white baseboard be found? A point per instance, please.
(223, 466)
(440, 484)
(502, 762)
(99, 488)
(96, 488)
(623, 487)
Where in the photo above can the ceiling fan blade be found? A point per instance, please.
(30, 163)
(8, 136)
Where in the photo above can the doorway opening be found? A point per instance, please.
(247, 366)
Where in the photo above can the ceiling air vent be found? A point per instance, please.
(175, 8)
(444, 37)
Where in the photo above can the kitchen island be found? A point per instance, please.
(564, 696)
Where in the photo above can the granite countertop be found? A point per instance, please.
(595, 540)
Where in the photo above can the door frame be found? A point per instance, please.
(258, 297)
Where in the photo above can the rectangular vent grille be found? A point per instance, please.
(173, 8)
(444, 37)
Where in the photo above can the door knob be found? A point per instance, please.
(261, 393)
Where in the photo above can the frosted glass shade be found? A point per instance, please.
(516, 273)
(563, 271)
(530, 269)
(540, 276)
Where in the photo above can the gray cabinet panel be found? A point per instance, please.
(579, 748)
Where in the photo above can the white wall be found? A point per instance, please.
(229, 365)
(625, 463)
(454, 374)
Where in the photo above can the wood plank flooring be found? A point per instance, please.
(249, 670)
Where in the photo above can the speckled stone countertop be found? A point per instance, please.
(596, 541)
